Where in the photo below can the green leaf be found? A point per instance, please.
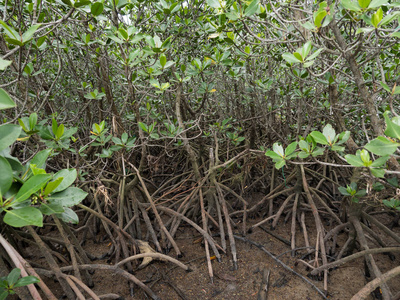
(143, 126)
(32, 121)
(319, 137)
(290, 148)
(392, 129)
(68, 216)
(163, 60)
(386, 87)
(97, 8)
(364, 3)
(290, 58)
(31, 186)
(308, 25)
(364, 155)
(305, 50)
(68, 175)
(319, 17)
(350, 5)
(5, 101)
(39, 160)
(233, 15)
(377, 17)
(382, 146)
(13, 276)
(273, 155)
(315, 54)
(60, 131)
(214, 3)
(23, 217)
(3, 65)
(343, 191)
(380, 161)
(27, 36)
(380, 173)
(52, 185)
(303, 145)
(8, 135)
(280, 164)
(354, 160)
(10, 32)
(3, 295)
(68, 2)
(51, 208)
(337, 148)
(26, 281)
(252, 8)
(81, 3)
(364, 30)
(389, 18)
(377, 3)
(69, 197)
(298, 56)
(6, 176)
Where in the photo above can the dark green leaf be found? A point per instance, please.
(27, 36)
(97, 8)
(380, 173)
(26, 281)
(13, 276)
(69, 197)
(68, 175)
(354, 160)
(23, 217)
(69, 216)
(6, 176)
(3, 65)
(53, 208)
(319, 137)
(252, 8)
(8, 135)
(382, 146)
(31, 186)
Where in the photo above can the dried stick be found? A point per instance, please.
(353, 257)
(381, 227)
(372, 285)
(318, 223)
(159, 220)
(150, 229)
(114, 269)
(194, 225)
(204, 221)
(280, 211)
(153, 255)
(303, 226)
(293, 227)
(84, 287)
(228, 227)
(69, 246)
(76, 290)
(386, 294)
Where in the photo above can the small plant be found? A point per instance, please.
(351, 191)
(12, 281)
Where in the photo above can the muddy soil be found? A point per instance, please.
(170, 282)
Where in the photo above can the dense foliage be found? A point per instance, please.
(167, 107)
